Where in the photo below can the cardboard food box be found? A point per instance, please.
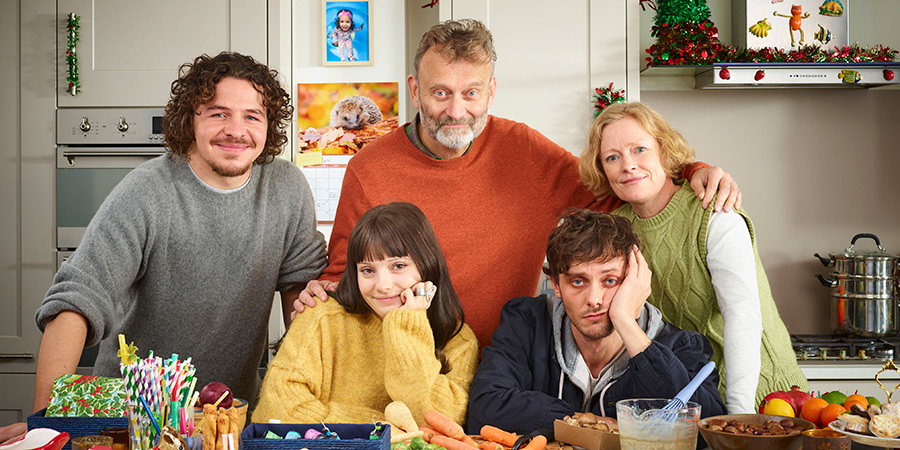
(585, 437)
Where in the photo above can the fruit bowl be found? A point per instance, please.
(721, 440)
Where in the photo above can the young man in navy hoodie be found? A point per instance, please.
(594, 342)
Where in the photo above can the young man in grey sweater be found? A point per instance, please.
(186, 253)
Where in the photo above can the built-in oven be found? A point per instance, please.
(96, 148)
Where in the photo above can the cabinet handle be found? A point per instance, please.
(16, 355)
(70, 156)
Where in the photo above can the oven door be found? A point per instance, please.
(84, 177)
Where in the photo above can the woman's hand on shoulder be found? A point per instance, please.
(418, 297)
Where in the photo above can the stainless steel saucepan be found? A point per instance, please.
(877, 263)
(865, 294)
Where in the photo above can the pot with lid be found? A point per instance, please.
(865, 294)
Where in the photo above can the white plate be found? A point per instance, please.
(865, 439)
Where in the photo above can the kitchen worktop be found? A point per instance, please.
(846, 370)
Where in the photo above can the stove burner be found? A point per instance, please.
(835, 348)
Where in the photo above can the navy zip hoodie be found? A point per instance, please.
(521, 386)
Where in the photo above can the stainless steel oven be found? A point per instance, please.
(96, 148)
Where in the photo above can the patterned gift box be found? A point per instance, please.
(87, 396)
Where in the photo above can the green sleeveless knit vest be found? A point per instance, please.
(674, 245)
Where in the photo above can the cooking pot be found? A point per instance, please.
(865, 317)
(878, 263)
(865, 297)
(862, 286)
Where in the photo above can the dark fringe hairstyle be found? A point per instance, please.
(395, 230)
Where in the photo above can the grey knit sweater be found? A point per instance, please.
(181, 268)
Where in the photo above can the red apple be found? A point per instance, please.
(211, 393)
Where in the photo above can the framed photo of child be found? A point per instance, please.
(348, 33)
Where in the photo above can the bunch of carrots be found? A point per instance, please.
(445, 432)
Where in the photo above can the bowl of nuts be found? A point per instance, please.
(753, 432)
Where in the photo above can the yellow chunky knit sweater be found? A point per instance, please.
(338, 367)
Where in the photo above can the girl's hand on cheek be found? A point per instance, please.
(414, 301)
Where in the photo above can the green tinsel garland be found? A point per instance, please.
(71, 58)
(678, 11)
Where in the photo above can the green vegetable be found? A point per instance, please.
(399, 446)
(432, 447)
(417, 443)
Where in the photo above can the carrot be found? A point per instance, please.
(495, 434)
(469, 440)
(443, 424)
(429, 433)
(488, 445)
(450, 443)
(537, 443)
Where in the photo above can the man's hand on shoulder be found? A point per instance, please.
(315, 290)
(706, 182)
(12, 433)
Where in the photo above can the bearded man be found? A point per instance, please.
(492, 188)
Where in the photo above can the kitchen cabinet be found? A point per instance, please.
(27, 102)
(550, 59)
(129, 52)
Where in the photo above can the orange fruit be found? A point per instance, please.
(856, 398)
(829, 414)
(812, 409)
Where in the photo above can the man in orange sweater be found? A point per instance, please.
(492, 188)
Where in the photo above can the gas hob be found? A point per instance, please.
(837, 348)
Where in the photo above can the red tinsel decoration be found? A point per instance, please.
(698, 44)
(606, 96)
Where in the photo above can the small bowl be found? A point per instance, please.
(721, 440)
(825, 439)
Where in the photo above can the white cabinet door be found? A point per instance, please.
(551, 56)
(129, 52)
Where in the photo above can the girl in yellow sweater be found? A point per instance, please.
(395, 332)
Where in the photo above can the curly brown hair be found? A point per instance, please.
(584, 236)
(196, 86)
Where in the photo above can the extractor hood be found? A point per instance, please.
(797, 75)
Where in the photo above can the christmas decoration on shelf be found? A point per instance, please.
(430, 4)
(72, 27)
(685, 36)
(606, 96)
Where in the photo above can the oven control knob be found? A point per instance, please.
(85, 125)
(122, 125)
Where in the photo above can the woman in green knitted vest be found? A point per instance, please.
(707, 275)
